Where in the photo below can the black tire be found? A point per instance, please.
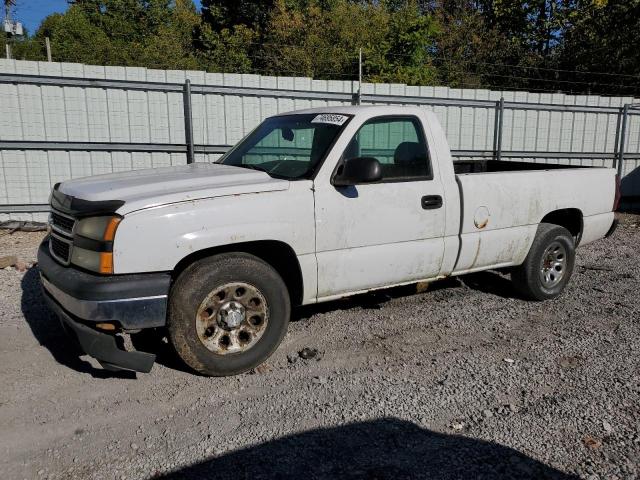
(196, 283)
(528, 278)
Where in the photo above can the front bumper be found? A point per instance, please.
(82, 299)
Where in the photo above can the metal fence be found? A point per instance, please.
(60, 121)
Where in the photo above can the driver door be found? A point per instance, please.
(384, 233)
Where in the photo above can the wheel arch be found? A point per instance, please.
(277, 254)
(569, 218)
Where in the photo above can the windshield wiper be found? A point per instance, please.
(254, 167)
(268, 171)
(262, 169)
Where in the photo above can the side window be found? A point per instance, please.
(397, 143)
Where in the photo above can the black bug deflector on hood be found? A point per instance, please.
(78, 207)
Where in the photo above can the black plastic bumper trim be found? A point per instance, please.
(130, 313)
(102, 346)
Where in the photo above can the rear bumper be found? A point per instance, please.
(82, 299)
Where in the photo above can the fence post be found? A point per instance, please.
(497, 129)
(360, 76)
(356, 98)
(617, 139)
(623, 134)
(496, 119)
(188, 121)
(47, 44)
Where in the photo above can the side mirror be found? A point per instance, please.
(354, 171)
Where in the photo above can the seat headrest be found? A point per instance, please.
(352, 150)
(409, 152)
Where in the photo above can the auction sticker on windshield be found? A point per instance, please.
(330, 118)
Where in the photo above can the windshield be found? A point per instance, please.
(289, 146)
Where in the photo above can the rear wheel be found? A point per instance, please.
(228, 313)
(549, 264)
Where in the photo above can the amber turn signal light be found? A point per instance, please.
(106, 326)
(110, 231)
(106, 262)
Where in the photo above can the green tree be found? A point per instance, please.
(463, 40)
(75, 39)
(173, 44)
(221, 14)
(153, 33)
(226, 50)
(511, 44)
(602, 36)
(406, 53)
(322, 39)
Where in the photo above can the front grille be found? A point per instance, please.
(60, 249)
(62, 222)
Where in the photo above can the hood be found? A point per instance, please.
(159, 186)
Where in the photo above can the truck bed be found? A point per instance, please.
(502, 209)
(492, 166)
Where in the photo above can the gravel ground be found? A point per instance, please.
(463, 380)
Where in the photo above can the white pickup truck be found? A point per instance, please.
(311, 206)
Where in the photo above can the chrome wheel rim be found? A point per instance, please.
(553, 265)
(232, 318)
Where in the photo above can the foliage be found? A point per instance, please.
(602, 36)
(227, 14)
(550, 45)
(227, 50)
(322, 40)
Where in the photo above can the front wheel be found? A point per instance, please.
(227, 313)
(549, 264)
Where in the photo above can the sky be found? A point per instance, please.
(32, 12)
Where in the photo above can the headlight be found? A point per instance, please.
(93, 243)
(92, 260)
(98, 228)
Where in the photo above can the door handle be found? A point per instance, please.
(430, 202)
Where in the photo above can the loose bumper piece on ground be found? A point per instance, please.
(83, 300)
(102, 346)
